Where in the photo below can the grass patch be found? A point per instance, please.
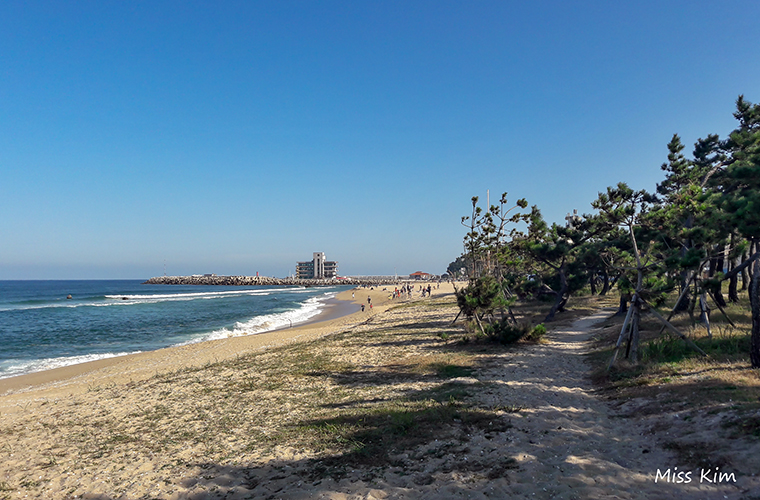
(372, 436)
(442, 365)
(447, 392)
(728, 345)
(510, 408)
(445, 370)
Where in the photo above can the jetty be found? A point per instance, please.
(267, 281)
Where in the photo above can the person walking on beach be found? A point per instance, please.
(362, 307)
(369, 300)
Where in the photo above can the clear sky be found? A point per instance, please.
(236, 137)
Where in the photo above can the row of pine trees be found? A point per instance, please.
(697, 235)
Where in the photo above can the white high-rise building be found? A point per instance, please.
(317, 268)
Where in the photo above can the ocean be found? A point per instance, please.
(40, 328)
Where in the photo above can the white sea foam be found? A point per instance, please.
(194, 295)
(268, 322)
(13, 368)
(309, 308)
(127, 300)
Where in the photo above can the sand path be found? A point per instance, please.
(568, 441)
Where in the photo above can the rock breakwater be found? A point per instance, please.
(263, 280)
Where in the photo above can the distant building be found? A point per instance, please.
(419, 275)
(317, 268)
(572, 220)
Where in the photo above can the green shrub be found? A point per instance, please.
(507, 333)
(481, 297)
(537, 333)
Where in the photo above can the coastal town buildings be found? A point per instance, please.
(317, 268)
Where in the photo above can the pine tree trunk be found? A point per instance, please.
(716, 266)
(685, 302)
(623, 308)
(751, 267)
(592, 283)
(754, 296)
(560, 301)
(733, 284)
(745, 273)
(606, 285)
(690, 308)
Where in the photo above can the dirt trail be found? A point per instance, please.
(570, 443)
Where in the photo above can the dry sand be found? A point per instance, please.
(92, 431)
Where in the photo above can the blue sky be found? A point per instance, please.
(236, 137)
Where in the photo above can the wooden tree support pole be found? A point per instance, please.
(673, 329)
(678, 301)
(705, 313)
(512, 315)
(477, 319)
(622, 332)
(722, 310)
(509, 308)
(455, 319)
(693, 302)
(632, 350)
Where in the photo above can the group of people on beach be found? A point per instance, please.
(404, 292)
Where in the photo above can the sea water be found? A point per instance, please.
(40, 328)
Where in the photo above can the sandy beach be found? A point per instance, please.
(389, 403)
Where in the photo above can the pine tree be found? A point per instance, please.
(740, 197)
(557, 252)
(487, 251)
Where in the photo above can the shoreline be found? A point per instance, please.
(333, 309)
(342, 311)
